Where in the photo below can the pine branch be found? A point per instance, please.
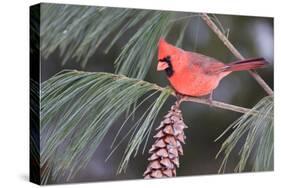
(77, 110)
(235, 52)
(69, 130)
(78, 32)
(258, 145)
(217, 104)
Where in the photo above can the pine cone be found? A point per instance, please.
(166, 149)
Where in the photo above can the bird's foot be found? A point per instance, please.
(179, 98)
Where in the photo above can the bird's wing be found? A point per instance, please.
(207, 64)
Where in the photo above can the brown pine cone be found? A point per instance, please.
(166, 149)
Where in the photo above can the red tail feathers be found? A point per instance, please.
(247, 64)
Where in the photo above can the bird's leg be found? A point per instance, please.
(210, 99)
(179, 98)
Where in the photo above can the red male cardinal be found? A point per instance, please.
(194, 74)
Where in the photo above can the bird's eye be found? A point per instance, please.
(166, 59)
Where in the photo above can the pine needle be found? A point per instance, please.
(77, 110)
(136, 56)
(78, 31)
(257, 149)
(34, 130)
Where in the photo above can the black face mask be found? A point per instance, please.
(169, 71)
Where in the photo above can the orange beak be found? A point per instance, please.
(162, 66)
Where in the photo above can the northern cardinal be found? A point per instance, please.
(194, 74)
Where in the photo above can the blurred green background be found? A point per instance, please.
(252, 36)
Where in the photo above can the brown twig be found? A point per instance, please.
(217, 104)
(235, 52)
